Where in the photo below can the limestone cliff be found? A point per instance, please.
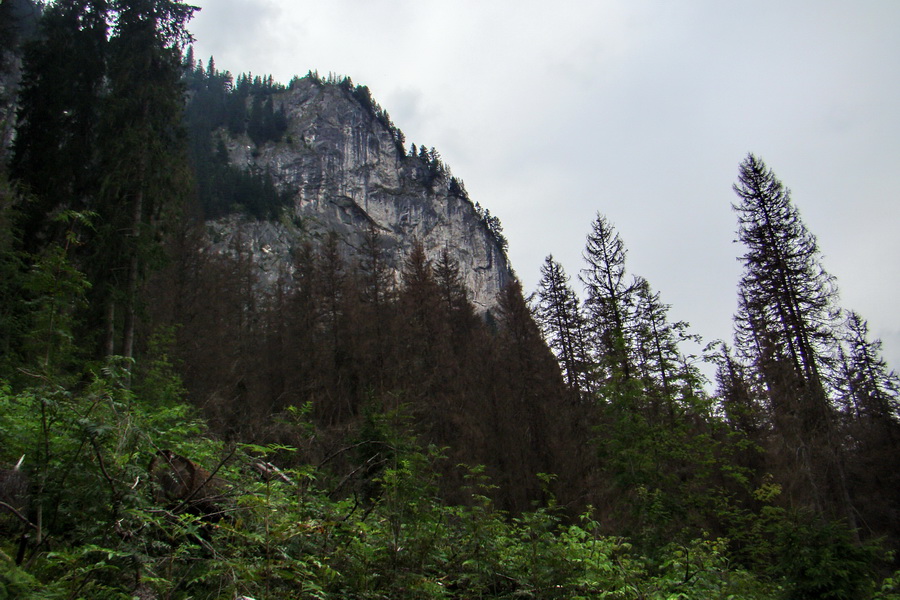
(345, 168)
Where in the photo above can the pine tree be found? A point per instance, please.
(455, 306)
(332, 277)
(144, 159)
(869, 391)
(55, 154)
(13, 303)
(609, 301)
(869, 394)
(558, 311)
(783, 281)
(374, 321)
(17, 23)
(527, 381)
(419, 304)
(657, 356)
(784, 329)
(742, 401)
(453, 292)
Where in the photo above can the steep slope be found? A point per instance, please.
(345, 169)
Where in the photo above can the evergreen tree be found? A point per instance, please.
(455, 305)
(420, 304)
(742, 400)
(17, 24)
(784, 328)
(558, 311)
(55, 155)
(374, 320)
(144, 168)
(657, 356)
(788, 300)
(454, 295)
(336, 394)
(609, 303)
(868, 390)
(869, 394)
(189, 62)
(13, 307)
(527, 382)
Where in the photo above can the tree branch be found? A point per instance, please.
(17, 514)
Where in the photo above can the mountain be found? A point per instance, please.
(341, 165)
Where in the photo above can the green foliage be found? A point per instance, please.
(820, 559)
(106, 538)
(809, 556)
(56, 290)
(99, 130)
(18, 583)
(890, 588)
(157, 381)
(13, 314)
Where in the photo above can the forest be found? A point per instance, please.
(171, 430)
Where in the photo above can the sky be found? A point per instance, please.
(640, 110)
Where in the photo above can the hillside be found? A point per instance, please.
(253, 346)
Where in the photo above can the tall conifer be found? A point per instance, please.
(558, 311)
(784, 328)
(868, 389)
(55, 154)
(144, 152)
(609, 301)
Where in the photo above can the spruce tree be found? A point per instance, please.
(455, 306)
(55, 154)
(374, 321)
(788, 300)
(454, 295)
(743, 402)
(419, 305)
(558, 312)
(656, 353)
(17, 24)
(144, 158)
(784, 328)
(331, 282)
(869, 394)
(527, 384)
(868, 390)
(13, 304)
(609, 302)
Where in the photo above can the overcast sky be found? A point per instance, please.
(641, 110)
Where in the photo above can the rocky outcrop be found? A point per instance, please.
(10, 72)
(18, 20)
(345, 168)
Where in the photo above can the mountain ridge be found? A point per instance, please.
(340, 164)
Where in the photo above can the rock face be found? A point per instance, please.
(18, 20)
(346, 170)
(10, 67)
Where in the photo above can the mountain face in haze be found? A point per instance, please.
(342, 167)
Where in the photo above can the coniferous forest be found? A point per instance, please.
(170, 429)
